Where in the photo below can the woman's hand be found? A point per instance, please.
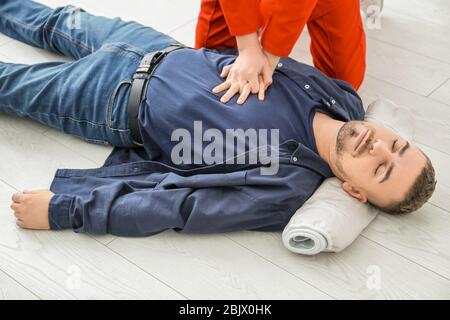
(273, 60)
(250, 73)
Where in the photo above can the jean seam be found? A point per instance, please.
(118, 47)
(72, 40)
(64, 117)
(91, 139)
(16, 21)
(30, 28)
(125, 46)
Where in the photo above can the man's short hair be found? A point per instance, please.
(419, 193)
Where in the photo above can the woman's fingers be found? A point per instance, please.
(223, 86)
(267, 76)
(226, 71)
(234, 89)
(254, 85)
(244, 94)
(262, 89)
(235, 86)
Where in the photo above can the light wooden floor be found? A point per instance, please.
(408, 62)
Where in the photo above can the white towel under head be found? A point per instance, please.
(330, 220)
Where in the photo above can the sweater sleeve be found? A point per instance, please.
(285, 25)
(242, 16)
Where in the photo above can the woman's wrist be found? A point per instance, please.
(248, 42)
(273, 59)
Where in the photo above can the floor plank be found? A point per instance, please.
(23, 123)
(149, 13)
(421, 236)
(11, 290)
(404, 68)
(186, 8)
(442, 94)
(65, 265)
(30, 159)
(413, 34)
(95, 152)
(434, 11)
(18, 52)
(440, 161)
(5, 192)
(350, 274)
(396, 57)
(4, 39)
(212, 267)
(185, 33)
(301, 52)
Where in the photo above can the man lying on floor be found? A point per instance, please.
(315, 125)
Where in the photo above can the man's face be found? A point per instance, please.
(375, 163)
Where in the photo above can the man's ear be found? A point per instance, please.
(354, 192)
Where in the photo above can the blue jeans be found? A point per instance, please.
(87, 97)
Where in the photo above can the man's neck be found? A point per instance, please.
(325, 132)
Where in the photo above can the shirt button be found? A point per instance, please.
(326, 102)
(307, 86)
(279, 65)
(295, 159)
(333, 102)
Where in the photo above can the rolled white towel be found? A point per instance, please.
(328, 221)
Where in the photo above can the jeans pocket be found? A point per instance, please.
(117, 106)
(117, 122)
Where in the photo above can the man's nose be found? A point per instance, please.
(378, 148)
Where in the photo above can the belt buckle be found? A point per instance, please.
(157, 58)
(146, 68)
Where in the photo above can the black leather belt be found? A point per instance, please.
(139, 85)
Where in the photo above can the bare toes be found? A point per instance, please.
(17, 197)
(15, 206)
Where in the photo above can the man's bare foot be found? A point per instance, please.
(31, 208)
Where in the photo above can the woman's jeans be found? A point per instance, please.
(88, 97)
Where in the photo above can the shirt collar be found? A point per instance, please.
(305, 157)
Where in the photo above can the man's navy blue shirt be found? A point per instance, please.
(140, 192)
(180, 93)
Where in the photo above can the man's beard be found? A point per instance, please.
(348, 130)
